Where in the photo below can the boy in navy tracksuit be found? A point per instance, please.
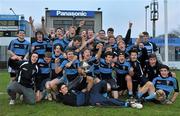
(94, 97)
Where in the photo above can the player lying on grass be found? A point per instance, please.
(94, 97)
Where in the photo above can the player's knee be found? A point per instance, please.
(9, 90)
(108, 87)
(128, 78)
(149, 83)
(47, 85)
(51, 84)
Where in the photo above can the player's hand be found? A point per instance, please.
(57, 60)
(84, 37)
(25, 59)
(67, 33)
(99, 45)
(84, 90)
(130, 25)
(75, 57)
(81, 71)
(64, 55)
(53, 35)
(31, 21)
(19, 58)
(113, 64)
(81, 23)
(77, 50)
(14, 57)
(68, 64)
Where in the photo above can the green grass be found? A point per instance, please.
(52, 108)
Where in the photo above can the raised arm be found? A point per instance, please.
(100, 47)
(81, 23)
(128, 34)
(31, 22)
(43, 26)
(58, 69)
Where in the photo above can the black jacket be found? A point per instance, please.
(26, 73)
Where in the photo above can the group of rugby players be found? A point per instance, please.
(78, 67)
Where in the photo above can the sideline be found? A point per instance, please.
(3, 93)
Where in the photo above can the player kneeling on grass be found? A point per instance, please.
(163, 88)
(94, 97)
(124, 81)
(24, 83)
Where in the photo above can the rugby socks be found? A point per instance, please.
(127, 104)
(151, 96)
(139, 95)
(130, 93)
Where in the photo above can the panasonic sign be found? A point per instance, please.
(71, 13)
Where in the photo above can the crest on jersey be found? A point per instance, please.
(33, 71)
(155, 71)
(124, 67)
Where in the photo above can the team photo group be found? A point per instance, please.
(79, 67)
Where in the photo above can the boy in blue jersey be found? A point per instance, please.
(112, 42)
(122, 68)
(58, 54)
(69, 65)
(19, 49)
(77, 44)
(61, 56)
(166, 83)
(43, 74)
(60, 38)
(106, 70)
(87, 64)
(69, 69)
(72, 73)
(39, 46)
(150, 46)
(163, 88)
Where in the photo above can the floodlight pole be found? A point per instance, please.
(166, 31)
(146, 7)
(12, 11)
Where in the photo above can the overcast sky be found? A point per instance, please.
(116, 13)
